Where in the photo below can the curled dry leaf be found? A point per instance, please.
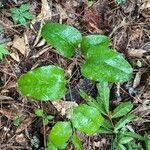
(138, 53)
(19, 44)
(65, 107)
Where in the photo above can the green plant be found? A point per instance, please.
(3, 51)
(17, 120)
(119, 2)
(101, 64)
(41, 113)
(1, 29)
(116, 120)
(21, 15)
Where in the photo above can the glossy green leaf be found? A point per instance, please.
(44, 83)
(76, 142)
(123, 121)
(104, 64)
(134, 135)
(51, 146)
(93, 40)
(86, 119)
(122, 109)
(104, 93)
(107, 124)
(125, 140)
(106, 127)
(60, 133)
(62, 37)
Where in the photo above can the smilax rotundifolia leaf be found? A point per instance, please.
(62, 37)
(60, 133)
(86, 119)
(43, 83)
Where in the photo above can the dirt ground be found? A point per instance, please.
(128, 27)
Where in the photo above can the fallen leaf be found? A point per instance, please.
(65, 107)
(19, 44)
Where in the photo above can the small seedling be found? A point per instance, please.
(17, 120)
(101, 64)
(119, 2)
(42, 114)
(3, 51)
(22, 14)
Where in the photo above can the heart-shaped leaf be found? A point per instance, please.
(104, 64)
(44, 83)
(93, 40)
(122, 109)
(60, 133)
(62, 37)
(86, 119)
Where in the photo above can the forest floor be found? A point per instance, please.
(128, 27)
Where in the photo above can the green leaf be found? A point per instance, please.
(86, 119)
(147, 144)
(121, 147)
(22, 20)
(16, 18)
(107, 124)
(104, 93)
(45, 121)
(93, 40)
(1, 29)
(3, 51)
(24, 7)
(106, 127)
(17, 120)
(76, 142)
(104, 64)
(49, 117)
(39, 112)
(103, 130)
(60, 133)
(119, 2)
(51, 146)
(122, 109)
(125, 140)
(62, 37)
(123, 121)
(28, 15)
(44, 83)
(14, 11)
(134, 135)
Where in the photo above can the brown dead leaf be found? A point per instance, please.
(10, 114)
(15, 56)
(45, 11)
(62, 12)
(137, 53)
(19, 44)
(145, 5)
(65, 107)
(20, 138)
